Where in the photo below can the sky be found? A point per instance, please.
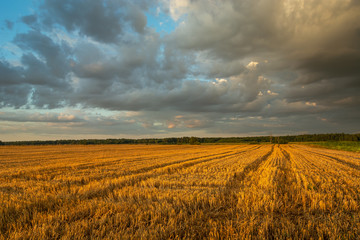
(78, 69)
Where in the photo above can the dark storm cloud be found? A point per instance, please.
(14, 96)
(12, 90)
(192, 96)
(322, 52)
(131, 68)
(54, 56)
(9, 75)
(103, 21)
(92, 18)
(137, 19)
(46, 65)
(29, 19)
(228, 29)
(244, 65)
(303, 33)
(41, 80)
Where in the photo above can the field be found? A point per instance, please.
(180, 191)
(339, 145)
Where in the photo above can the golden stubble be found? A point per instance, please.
(177, 192)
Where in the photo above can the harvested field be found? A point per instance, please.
(177, 192)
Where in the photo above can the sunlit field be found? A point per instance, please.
(353, 146)
(179, 191)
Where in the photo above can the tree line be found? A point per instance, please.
(200, 140)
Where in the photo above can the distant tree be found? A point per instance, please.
(194, 141)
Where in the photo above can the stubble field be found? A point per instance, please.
(177, 192)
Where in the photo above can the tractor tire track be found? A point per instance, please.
(133, 179)
(240, 176)
(343, 162)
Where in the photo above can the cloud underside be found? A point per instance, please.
(245, 65)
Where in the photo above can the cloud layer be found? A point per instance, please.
(229, 67)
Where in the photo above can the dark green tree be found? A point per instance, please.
(194, 141)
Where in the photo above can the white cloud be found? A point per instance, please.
(312, 104)
(252, 65)
(221, 80)
(272, 93)
(177, 8)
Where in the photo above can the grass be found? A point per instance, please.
(178, 192)
(338, 145)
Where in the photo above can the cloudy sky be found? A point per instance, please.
(74, 69)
